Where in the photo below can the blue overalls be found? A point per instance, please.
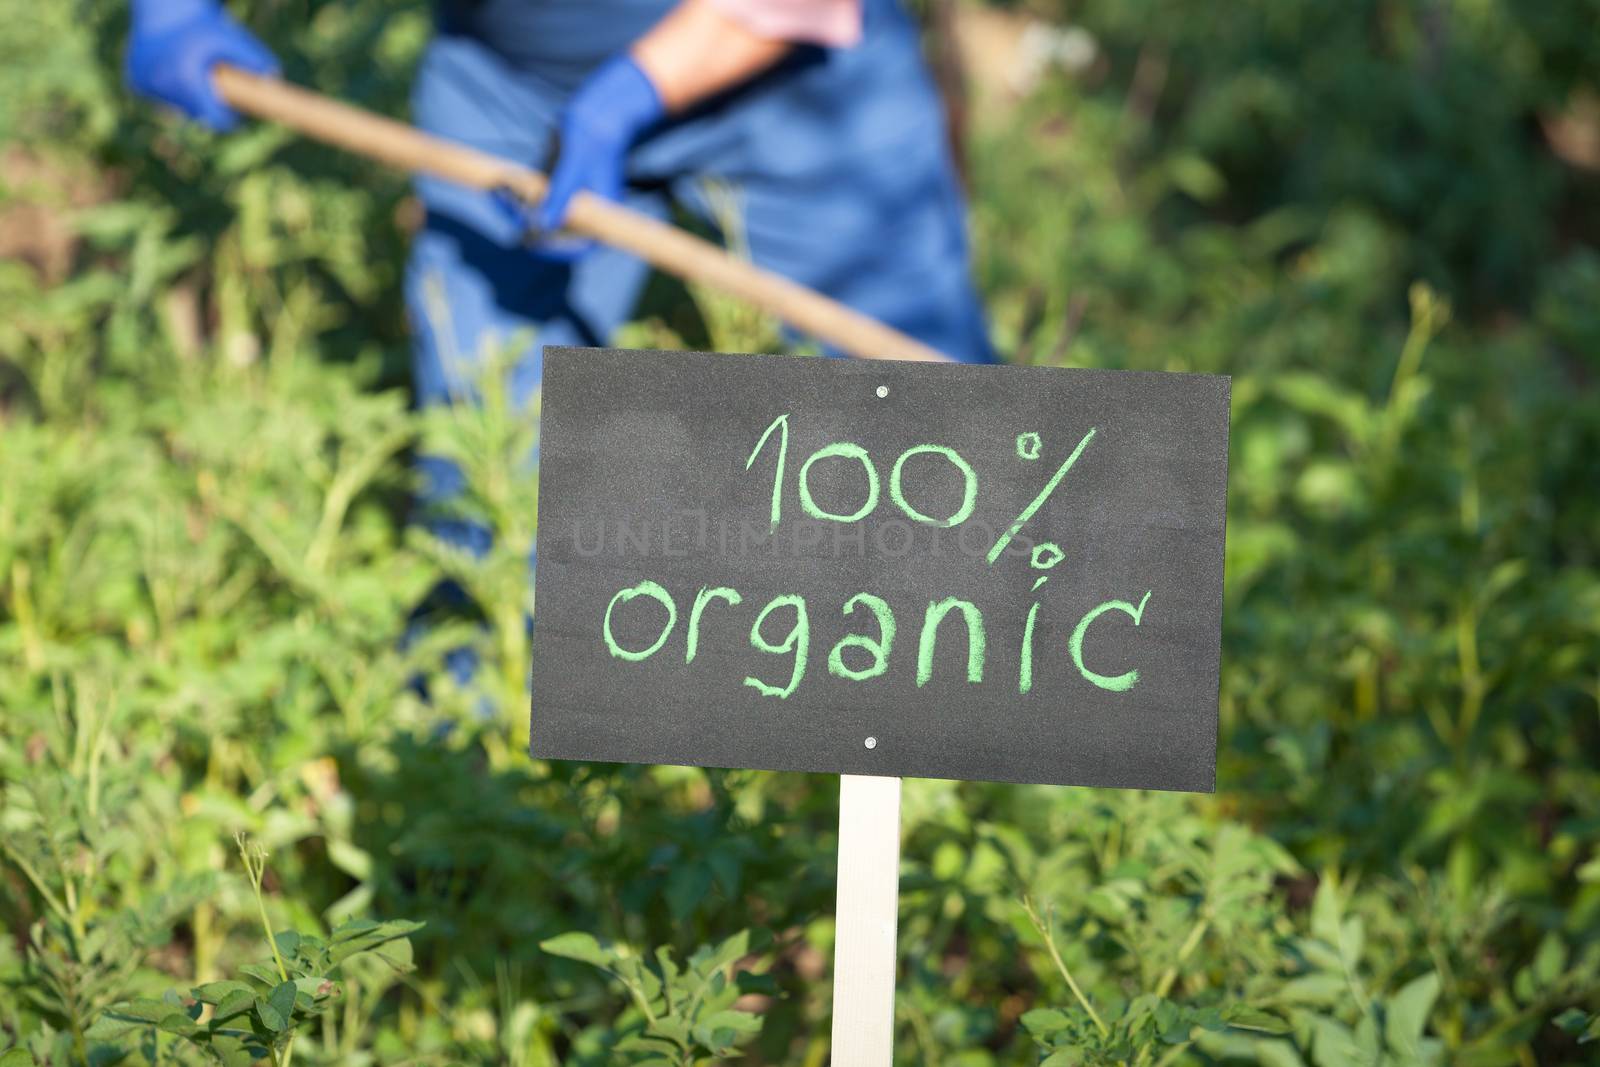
(837, 162)
(834, 168)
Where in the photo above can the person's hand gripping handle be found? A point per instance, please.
(598, 127)
(176, 44)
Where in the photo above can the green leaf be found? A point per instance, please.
(641, 1043)
(1320, 955)
(352, 929)
(217, 992)
(1042, 1022)
(1326, 910)
(1368, 1039)
(674, 1029)
(282, 998)
(740, 1022)
(394, 928)
(1276, 1054)
(355, 862)
(347, 942)
(232, 1052)
(16, 1057)
(110, 1028)
(1549, 961)
(1352, 938)
(1314, 989)
(669, 967)
(1063, 1057)
(271, 1018)
(577, 945)
(1256, 1019)
(1174, 1023)
(730, 951)
(317, 987)
(233, 1004)
(1334, 1045)
(716, 1041)
(265, 973)
(1575, 1021)
(144, 1010)
(1407, 1014)
(288, 942)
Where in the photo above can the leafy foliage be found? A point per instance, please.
(258, 1015)
(208, 573)
(688, 1012)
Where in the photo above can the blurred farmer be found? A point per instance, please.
(807, 132)
(817, 116)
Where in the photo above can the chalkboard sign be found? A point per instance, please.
(1001, 573)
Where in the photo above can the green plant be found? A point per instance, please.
(208, 567)
(260, 1014)
(687, 1011)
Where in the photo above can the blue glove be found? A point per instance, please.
(600, 123)
(174, 45)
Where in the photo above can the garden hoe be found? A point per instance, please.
(664, 246)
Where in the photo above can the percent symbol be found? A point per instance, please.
(1028, 448)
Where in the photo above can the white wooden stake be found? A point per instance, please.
(864, 938)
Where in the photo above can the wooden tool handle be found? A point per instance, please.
(667, 247)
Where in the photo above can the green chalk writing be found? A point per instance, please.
(870, 655)
(779, 423)
(930, 633)
(969, 488)
(797, 641)
(655, 592)
(1025, 661)
(844, 450)
(879, 649)
(1044, 494)
(1120, 683)
(701, 599)
(862, 656)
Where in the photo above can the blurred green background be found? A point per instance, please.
(1382, 217)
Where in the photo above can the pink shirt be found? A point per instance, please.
(833, 23)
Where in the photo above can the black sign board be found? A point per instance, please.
(1000, 573)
